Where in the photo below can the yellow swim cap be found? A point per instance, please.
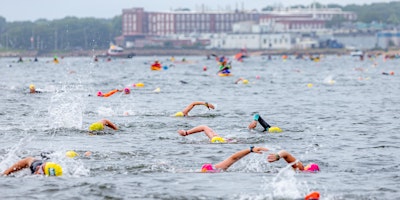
(52, 169)
(179, 114)
(31, 86)
(97, 126)
(71, 154)
(218, 139)
(245, 81)
(274, 129)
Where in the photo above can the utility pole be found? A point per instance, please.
(55, 39)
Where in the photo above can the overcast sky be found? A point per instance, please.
(24, 10)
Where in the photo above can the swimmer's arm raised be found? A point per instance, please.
(237, 156)
(288, 158)
(109, 124)
(190, 106)
(24, 163)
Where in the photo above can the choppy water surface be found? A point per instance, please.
(348, 123)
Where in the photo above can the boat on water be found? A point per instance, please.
(117, 51)
(356, 53)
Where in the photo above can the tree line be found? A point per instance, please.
(72, 33)
(66, 34)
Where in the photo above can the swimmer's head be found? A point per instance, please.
(52, 169)
(312, 167)
(218, 139)
(274, 129)
(97, 126)
(127, 90)
(245, 81)
(99, 94)
(71, 154)
(207, 168)
(31, 86)
(179, 114)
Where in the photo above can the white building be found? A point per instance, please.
(252, 41)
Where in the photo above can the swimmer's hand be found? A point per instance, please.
(252, 125)
(209, 105)
(259, 150)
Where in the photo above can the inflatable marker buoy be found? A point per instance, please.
(71, 154)
(218, 139)
(138, 84)
(274, 129)
(179, 114)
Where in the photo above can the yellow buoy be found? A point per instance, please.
(139, 84)
(274, 129)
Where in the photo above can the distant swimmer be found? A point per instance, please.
(224, 165)
(37, 166)
(108, 94)
(264, 124)
(214, 138)
(20, 60)
(32, 89)
(186, 111)
(99, 126)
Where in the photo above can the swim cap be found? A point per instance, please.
(127, 90)
(31, 86)
(312, 196)
(312, 167)
(256, 116)
(97, 126)
(52, 169)
(99, 94)
(218, 139)
(274, 129)
(207, 168)
(71, 154)
(245, 81)
(179, 114)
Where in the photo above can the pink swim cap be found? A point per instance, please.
(99, 94)
(126, 90)
(207, 168)
(312, 167)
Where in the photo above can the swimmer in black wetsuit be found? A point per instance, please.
(36, 166)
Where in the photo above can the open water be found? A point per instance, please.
(347, 122)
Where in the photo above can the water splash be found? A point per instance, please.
(66, 111)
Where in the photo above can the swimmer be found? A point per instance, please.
(186, 111)
(296, 165)
(264, 124)
(37, 166)
(32, 89)
(224, 165)
(214, 138)
(99, 126)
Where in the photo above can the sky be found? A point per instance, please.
(31, 10)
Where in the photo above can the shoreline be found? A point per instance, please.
(188, 52)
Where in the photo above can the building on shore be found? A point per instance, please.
(279, 28)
